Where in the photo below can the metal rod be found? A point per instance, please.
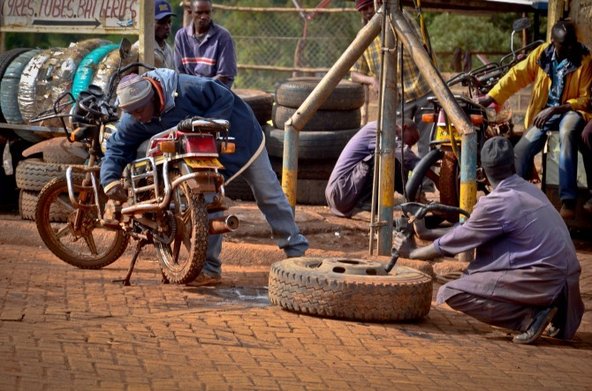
(386, 185)
(431, 75)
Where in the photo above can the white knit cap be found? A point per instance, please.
(134, 92)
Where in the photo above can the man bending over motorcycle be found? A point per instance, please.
(159, 100)
(562, 75)
(525, 274)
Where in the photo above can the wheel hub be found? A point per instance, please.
(350, 266)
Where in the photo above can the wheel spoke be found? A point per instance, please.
(90, 242)
(176, 250)
(65, 230)
(65, 203)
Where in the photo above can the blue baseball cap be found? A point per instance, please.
(162, 9)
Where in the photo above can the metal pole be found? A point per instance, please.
(468, 181)
(389, 104)
(146, 27)
(315, 100)
(468, 167)
(422, 59)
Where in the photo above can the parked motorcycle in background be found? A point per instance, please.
(442, 163)
(172, 186)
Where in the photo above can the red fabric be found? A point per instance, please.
(363, 3)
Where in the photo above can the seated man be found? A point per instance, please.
(350, 183)
(562, 75)
(525, 273)
(159, 100)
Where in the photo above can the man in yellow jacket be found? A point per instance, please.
(562, 75)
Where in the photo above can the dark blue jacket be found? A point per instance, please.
(186, 96)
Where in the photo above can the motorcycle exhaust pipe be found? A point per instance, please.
(222, 225)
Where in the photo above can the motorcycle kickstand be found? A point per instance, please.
(126, 280)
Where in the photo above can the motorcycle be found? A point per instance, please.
(442, 163)
(172, 186)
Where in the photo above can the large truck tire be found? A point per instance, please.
(322, 120)
(34, 174)
(346, 95)
(349, 289)
(260, 102)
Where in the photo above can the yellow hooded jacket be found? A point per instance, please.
(535, 68)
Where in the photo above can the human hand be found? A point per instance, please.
(543, 116)
(403, 244)
(485, 101)
(375, 87)
(116, 192)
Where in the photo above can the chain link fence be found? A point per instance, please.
(276, 43)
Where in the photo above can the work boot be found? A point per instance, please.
(206, 279)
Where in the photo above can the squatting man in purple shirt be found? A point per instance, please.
(203, 48)
(525, 276)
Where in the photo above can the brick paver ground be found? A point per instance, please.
(65, 328)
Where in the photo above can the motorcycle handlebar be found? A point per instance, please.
(419, 210)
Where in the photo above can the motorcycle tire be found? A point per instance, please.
(446, 180)
(348, 289)
(182, 260)
(92, 248)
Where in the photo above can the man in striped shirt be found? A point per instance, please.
(367, 70)
(203, 48)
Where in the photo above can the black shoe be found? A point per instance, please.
(536, 328)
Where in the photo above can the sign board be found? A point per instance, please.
(70, 16)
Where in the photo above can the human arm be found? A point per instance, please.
(121, 149)
(407, 248)
(371, 81)
(583, 100)
(226, 61)
(518, 77)
(178, 52)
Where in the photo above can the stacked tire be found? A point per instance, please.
(30, 82)
(31, 176)
(320, 141)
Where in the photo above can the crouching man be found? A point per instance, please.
(525, 275)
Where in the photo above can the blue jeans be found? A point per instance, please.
(272, 201)
(569, 125)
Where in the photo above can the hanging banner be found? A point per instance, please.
(70, 16)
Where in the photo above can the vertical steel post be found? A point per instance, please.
(468, 180)
(448, 102)
(389, 105)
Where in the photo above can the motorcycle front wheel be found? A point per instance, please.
(86, 245)
(445, 173)
(183, 258)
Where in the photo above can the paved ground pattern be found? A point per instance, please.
(65, 328)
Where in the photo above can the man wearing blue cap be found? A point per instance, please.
(163, 52)
(525, 275)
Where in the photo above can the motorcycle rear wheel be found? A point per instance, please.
(182, 260)
(92, 247)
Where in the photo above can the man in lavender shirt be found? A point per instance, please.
(525, 274)
(203, 48)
